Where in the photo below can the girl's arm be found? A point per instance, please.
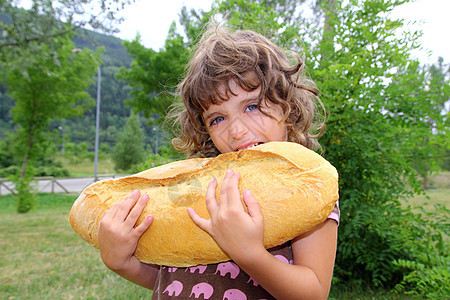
(309, 277)
(240, 235)
(118, 238)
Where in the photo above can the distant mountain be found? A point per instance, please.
(113, 94)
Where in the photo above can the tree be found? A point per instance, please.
(45, 85)
(129, 149)
(369, 85)
(153, 76)
(45, 19)
(377, 119)
(422, 114)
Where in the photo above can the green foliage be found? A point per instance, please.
(153, 160)
(376, 124)
(6, 153)
(423, 279)
(30, 29)
(153, 76)
(45, 21)
(49, 167)
(6, 103)
(129, 149)
(427, 273)
(420, 112)
(384, 115)
(26, 196)
(77, 152)
(45, 85)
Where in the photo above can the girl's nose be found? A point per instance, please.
(238, 128)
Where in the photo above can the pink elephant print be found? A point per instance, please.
(234, 294)
(202, 288)
(174, 289)
(228, 267)
(282, 258)
(201, 269)
(253, 282)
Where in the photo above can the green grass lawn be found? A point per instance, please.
(84, 167)
(41, 257)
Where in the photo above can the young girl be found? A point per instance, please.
(240, 91)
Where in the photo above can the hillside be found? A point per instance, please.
(113, 94)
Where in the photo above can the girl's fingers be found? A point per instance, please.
(199, 221)
(211, 202)
(124, 206)
(253, 207)
(224, 188)
(230, 190)
(224, 184)
(136, 211)
(141, 228)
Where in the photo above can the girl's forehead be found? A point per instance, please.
(216, 93)
(226, 88)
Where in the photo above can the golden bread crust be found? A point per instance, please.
(296, 188)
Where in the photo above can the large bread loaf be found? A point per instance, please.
(296, 188)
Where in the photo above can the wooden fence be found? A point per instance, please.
(51, 183)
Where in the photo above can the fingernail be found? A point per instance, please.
(247, 192)
(229, 171)
(212, 180)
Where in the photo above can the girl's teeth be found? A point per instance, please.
(251, 146)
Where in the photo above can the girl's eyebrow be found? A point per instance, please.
(208, 116)
(244, 102)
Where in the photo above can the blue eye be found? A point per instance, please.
(251, 107)
(217, 120)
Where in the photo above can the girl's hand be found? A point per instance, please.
(238, 233)
(117, 235)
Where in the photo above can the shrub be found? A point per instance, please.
(25, 197)
(153, 160)
(129, 148)
(427, 273)
(8, 171)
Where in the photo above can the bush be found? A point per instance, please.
(153, 160)
(25, 197)
(427, 273)
(6, 154)
(129, 148)
(429, 280)
(55, 171)
(8, 171)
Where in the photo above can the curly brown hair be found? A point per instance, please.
(252, 61)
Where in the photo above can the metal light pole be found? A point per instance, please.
(97, 123)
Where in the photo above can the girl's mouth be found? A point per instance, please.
(248, 147)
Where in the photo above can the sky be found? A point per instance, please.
(152, 22)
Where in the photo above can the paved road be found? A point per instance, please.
(57, 185)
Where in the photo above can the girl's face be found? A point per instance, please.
(238, 124)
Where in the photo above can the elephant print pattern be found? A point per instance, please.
(224, 281)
